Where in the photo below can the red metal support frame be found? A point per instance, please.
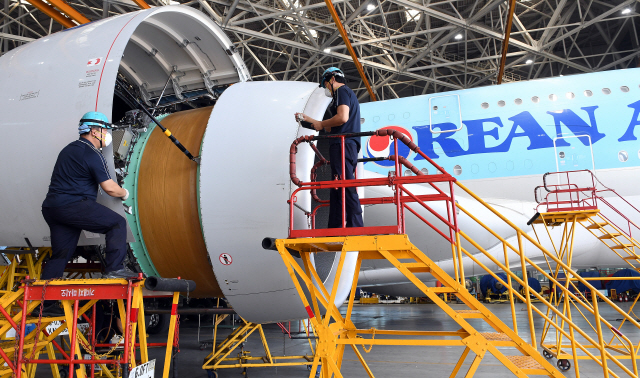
(74, 341)
(72, 292)
(20, 331)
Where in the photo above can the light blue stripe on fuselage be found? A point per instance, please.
(516, 140)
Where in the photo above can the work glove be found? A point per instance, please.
(126, 196)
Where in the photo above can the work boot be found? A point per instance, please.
(51, 309)
(121, 273)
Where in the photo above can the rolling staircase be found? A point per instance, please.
(335, 331)
(622, 244)
(505, 342)
(571, 202)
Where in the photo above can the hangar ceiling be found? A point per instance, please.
(407, 47)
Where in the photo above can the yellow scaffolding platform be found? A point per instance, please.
(555, 344)
(223, 357)
(20, 356)
(23, 262)
(522, 358)
(335, 332)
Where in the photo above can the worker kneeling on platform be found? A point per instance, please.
(345, 110)
(70, 205)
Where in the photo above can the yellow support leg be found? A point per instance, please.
(172, 328)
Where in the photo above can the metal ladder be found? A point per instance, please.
(623, 245)
(335, 331)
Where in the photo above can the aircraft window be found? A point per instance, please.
(406, 115)
(624, 88)
(407, 172)
(588, 93)
(501, 103)
(535, 99)
(553, 97)
(426, 171)
(623, 156)
(510, 165)
(606, 91)
(376, 119)
(485, 105)
(457, 170)
(391, 117)
(570, 95)
(518, 101)
(561, 155)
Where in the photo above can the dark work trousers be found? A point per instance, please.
(66, 223)
(352, 202)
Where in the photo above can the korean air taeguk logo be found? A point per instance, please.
(383, 146)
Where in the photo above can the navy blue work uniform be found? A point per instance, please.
(70, 207)
(345, 96)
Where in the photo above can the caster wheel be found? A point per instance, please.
(212, 374)
(564, 365)
(64, 371)
(547, 355)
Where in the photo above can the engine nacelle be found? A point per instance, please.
(202, 222)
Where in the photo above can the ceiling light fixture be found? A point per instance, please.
(529, 61)
(327, 50)
(626, 11)
(371, 7)
(458, 37)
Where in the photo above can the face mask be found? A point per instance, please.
(328, 92)
(106, 141)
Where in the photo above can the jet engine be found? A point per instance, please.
(203, 220)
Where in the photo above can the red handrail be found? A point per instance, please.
(402, 195)
(586, 198)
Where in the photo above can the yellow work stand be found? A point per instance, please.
(19, 357)
(553, 341)
(230, 353)
(335, 332)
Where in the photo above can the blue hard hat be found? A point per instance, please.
(329, 73)
(90, 119)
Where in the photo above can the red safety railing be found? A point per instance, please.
(402, 196)
(568, 196)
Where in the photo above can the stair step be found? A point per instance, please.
(622, 246)
(470, 314)
(609, 236)
(634, 257)
(443, 289)
(495, 336)
(596, 225)
(417, 267)
(527, 363)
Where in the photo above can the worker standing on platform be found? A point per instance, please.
(345, 111)
(70, 205)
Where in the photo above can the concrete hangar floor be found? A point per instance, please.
(383, 361)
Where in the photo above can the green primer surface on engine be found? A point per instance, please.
(131, 184)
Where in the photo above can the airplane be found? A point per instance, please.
(499, 141)
(204, 218)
